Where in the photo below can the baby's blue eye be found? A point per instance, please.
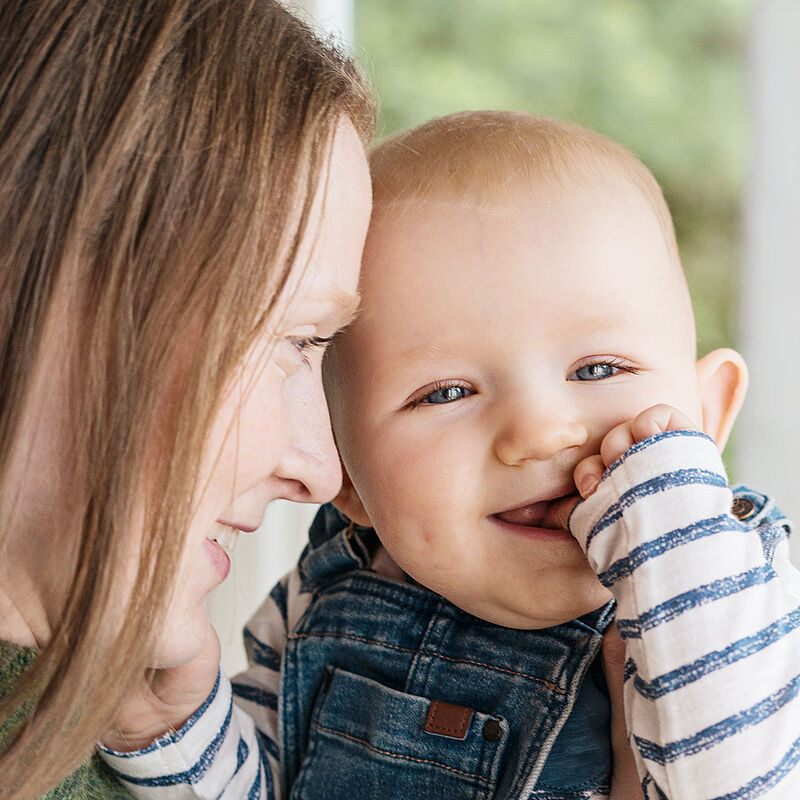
(594, 372)
(447, 394)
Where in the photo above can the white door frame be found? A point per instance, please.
(769, 430)
(333, 16)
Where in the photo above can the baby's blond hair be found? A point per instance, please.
(486, 156)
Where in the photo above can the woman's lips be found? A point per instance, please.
(219, 558)
(221, 544)
(226, 536)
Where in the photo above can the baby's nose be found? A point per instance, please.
(533, 434)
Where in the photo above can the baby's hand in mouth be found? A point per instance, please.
(560, 510)
(654, 420)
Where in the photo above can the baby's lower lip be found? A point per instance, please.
(532, 531)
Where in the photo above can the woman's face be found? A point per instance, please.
(271, 437)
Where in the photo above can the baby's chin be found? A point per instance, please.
(508, 618)
(532, 616)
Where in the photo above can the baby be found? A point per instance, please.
(526, 342)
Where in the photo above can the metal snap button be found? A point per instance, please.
(492, 730)
(743, 508)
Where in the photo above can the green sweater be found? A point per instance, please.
(92, 780)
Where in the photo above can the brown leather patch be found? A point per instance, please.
(447, 719)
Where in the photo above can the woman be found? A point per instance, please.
(184, 200)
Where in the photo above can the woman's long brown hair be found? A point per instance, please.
(153, 158)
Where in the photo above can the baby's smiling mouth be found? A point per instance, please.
(549, 514)
(531, 515)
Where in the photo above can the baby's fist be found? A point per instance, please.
(654, 420)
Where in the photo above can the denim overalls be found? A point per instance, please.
(390, 691)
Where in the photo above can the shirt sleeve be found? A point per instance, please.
(228, 750)
(710, 615)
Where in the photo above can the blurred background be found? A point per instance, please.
(705, 92)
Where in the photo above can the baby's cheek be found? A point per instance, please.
(608, 424)
(428, 555)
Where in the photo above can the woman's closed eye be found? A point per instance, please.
(440, 394)
(306, 344)
(601, 369)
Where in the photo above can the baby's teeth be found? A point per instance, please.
(226, 537)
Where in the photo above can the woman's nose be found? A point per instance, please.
(535, 432)
(310, 465)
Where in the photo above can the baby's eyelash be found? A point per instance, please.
(616, 361)
(591, 370)
(419, 399)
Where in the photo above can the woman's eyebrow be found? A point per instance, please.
(339, 307)
(347, 302)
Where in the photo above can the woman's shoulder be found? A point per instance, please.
(92, 780)
(14, 660)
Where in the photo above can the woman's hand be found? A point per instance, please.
(165, 699)
(625, 782)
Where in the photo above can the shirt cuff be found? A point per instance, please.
(178, 757)
(659, 484)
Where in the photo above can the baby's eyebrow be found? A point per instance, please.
(428, 351)
(599, 324)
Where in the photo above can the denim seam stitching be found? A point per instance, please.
(546, 683)
(361, 583)
(400, 755)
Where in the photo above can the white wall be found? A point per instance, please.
(769, 429)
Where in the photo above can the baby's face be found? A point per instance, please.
(494, 349)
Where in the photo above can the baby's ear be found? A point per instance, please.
(722, 376)
(349, 503)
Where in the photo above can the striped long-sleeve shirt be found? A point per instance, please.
(709, 610)
(710, 613)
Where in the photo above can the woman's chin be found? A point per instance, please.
(182, 640)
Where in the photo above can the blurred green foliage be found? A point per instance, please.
(665, 78)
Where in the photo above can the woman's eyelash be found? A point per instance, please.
(301, 343)
(306, 343)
